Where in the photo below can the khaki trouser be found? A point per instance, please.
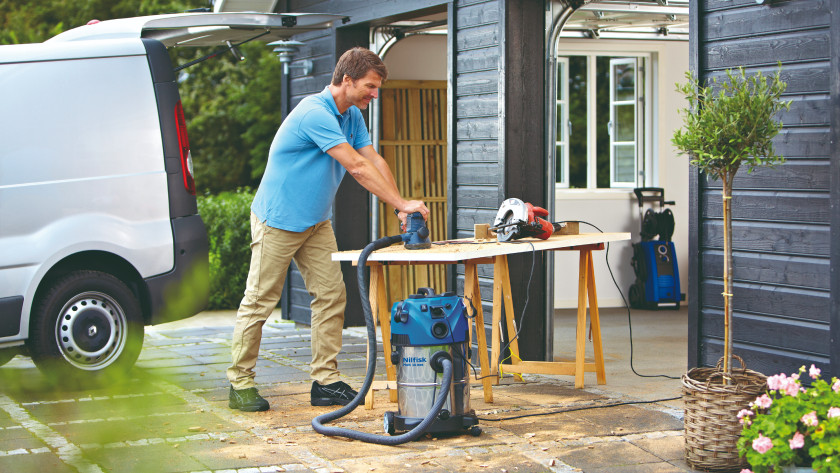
(272, 250)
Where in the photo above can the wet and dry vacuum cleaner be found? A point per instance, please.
(430, 348)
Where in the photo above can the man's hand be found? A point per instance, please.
(412, 206)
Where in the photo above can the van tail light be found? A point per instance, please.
(184, 148)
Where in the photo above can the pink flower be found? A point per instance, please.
(792, 388)
(836, 386)
(814, 372)
(810, 419)
(746, 470)
(762, 444)
(798, 441)
(795, 376)
(763, 401)
(834, 412)
(775, 382)
(744, 416)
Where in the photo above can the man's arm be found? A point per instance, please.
(373, 173)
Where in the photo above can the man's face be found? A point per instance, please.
(362, 91)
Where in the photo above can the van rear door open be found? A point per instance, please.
(99, 228)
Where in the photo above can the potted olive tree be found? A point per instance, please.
(728, 125)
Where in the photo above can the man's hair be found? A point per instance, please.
(356, 63)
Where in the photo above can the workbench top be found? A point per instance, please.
(468, 248)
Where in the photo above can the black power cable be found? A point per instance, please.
(626, 306)
(573, 409)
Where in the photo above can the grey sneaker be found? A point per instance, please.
(248, 400)
(336, 393)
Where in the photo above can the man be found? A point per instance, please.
(324, 136)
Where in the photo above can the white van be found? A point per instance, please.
(99, 230)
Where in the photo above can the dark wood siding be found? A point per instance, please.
(476, 41)
(784, 225)
(498, 68)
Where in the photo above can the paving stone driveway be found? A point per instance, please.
(172, 416)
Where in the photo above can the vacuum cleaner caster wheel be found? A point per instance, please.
(475, 431)
(390, 427)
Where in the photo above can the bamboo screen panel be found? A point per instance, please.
(413, 142)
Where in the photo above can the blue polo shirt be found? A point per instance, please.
(300, 180)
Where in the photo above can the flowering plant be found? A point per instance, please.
(793, 426)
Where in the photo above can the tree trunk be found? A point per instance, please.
(727, 275)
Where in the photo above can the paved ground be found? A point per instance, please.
(172, 415)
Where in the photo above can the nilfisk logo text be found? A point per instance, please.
(414, 360)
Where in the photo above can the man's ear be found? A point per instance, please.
(346, 79)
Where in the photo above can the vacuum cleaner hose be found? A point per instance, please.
(445, 362)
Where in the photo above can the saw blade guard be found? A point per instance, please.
(512, 212)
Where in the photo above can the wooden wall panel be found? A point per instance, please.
(789, 207)
(784, 217)
(769, 268)
(806, 304)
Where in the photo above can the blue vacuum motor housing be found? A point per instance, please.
(427, 319)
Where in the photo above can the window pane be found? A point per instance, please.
(625, 157)
(561, 158)
(625, 82)
(560, 122)
(577, 115)
(625, 123)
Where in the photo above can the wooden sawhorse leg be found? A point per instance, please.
(586, 288)
(472, 293)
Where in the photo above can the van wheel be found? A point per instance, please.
(87, 327)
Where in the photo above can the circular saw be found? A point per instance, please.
(517, 219)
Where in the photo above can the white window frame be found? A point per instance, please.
(645, 165)
(611, 125)
(563, 122)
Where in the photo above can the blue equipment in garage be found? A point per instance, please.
(655, 261)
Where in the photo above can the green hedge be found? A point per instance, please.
(227, 217)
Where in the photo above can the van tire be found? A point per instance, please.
(101, 333)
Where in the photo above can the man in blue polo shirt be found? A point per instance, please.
(321, 139)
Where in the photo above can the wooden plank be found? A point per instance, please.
(478, 173)
(786, 16)
(792, 47)
(478, 60)
(795, 239)
(476, 14)
(793, 174)
(765, 360)
(798, 271)
(478, 37)
(792, 207)
(810, 143)
(595, 320)
(472, 292)
(808, 110)
(476, 82)
(805, 304)
(778, 332)
(580, 328)
(413, 84)
(800, 78)
(460, 252)
(477, 151)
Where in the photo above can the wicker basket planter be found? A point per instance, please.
(711, 423)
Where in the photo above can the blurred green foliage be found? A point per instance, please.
(227, 216)
(232, 107)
